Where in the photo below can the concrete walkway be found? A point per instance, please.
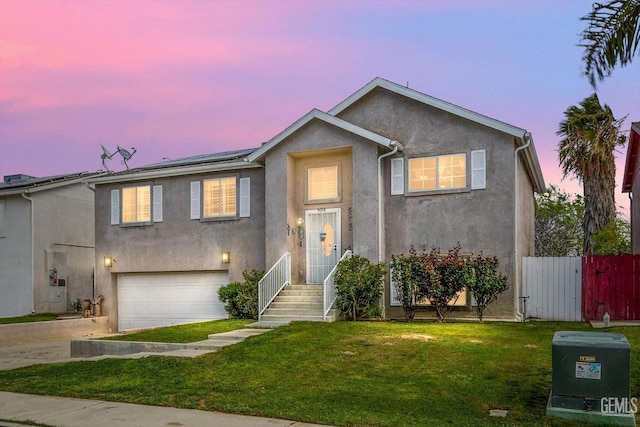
(65, 412)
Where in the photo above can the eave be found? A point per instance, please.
(631, 163)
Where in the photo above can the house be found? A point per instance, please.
(631, 183)
(386, 169)
(46, 243)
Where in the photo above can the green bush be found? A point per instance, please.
(241, 298)
(487, 282)
(404, 274)
(359, 286)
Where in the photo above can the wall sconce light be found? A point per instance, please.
(108, 261)
(226, 257)
(300, 224)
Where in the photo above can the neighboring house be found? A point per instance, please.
(386, 169)
(46, 243)
(631, 184)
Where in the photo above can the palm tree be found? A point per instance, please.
(613, 36)
(591, 134)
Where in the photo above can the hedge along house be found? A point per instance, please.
(386, 169)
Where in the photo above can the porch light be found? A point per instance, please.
(300, 222)
(226, 257)
(108, 261)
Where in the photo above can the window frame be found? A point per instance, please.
(338, 198)
(467, 179)
(221, 217)
(148, 221)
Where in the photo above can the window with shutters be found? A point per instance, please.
(323, 184)
(439, 174)
(219, 197)
(136, 204)
(139, 205)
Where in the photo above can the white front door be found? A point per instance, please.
(323, 243)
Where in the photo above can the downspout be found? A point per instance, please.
(395, 146)
(94, 240)
(516, 261)
(33, 252)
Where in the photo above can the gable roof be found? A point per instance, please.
(633, 151)
(327, 118)
(521, 135)
(17, 184)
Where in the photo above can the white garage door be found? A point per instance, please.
(160, 299)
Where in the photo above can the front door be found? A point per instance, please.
(323, 243)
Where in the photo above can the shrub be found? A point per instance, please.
(488, 283)
(241, 298)
(404, 273)
(359, 285)
(440, 279)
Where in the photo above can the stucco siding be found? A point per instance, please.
(480, 220)
(635, 211)
(16, 289)
(178, 243)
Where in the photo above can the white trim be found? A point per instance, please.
(397, 176)
(195, 200)
(157, 203)
(245, 198)
(115, 207)
(334, 121)
(478, 170)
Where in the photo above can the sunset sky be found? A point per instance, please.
(180, 78)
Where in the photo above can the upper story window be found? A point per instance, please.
(136, 204)
(323, 183)
(438, 172)
(219, 197)
(139, 205)
(441, 174)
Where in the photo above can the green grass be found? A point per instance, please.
(344, 373)
(28, 318)
(184, 333)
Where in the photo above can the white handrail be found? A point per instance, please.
(330, 292)
(273, 281)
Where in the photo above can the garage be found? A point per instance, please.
(160, 299)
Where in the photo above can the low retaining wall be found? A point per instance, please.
(21, 333)
(90, 348)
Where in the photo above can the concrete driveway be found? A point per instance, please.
(35, 353)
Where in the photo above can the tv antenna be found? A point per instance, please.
(126, 155)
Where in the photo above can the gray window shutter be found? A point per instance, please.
(157, 203)
(397, 176)
(115, 207)
(245, 197)
(478, 170)
(195, 200)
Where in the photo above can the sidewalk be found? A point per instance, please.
(66, 412)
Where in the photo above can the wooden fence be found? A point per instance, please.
(551, 288)
(611, 284)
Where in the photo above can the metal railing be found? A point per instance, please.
(273, 281)
(330, 292)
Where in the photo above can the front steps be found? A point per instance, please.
(298, 302)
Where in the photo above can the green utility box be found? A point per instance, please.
(590, 370)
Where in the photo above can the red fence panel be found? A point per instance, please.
(611, 283)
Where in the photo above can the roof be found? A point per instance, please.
(16, 184)
(327, 118)
(203, 163)
(631, 164)
(521, 135)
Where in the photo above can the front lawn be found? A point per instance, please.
(28, 318)
(344, 373)
(184, 333)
